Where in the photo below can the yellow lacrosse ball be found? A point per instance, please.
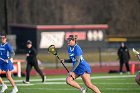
(52, 49)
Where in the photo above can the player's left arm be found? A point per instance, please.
(78, 56)
(11, 51)
(76, 63)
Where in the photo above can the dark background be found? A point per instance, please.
(122, 16)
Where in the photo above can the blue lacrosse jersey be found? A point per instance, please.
(5, 50)
(83, 65)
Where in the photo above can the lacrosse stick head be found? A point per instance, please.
(135, 51)
(52, 49)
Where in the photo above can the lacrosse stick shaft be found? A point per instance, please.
(52, 50)
(64, 65)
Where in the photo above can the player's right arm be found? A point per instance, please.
(68, 60)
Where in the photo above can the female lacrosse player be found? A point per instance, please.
(80, 66)
(6, 53)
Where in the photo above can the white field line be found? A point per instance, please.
(64, 83)
(94, 77)
(63, 79)
(54, 89)
(50, 89)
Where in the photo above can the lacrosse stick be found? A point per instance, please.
(52, 50)
(136, 53)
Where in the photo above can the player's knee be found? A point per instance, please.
(68, 80)
(9, 77)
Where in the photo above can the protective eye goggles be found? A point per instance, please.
(2, 37)
(69, 39)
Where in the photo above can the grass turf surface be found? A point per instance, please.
(107, 83)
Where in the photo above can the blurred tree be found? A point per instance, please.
(123, 16)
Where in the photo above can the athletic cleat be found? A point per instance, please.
(83, 90)
(44, 79)
(4, 87)
(14, 90)
(26, 82)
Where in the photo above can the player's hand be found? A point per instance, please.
(71, 74)
(62, 60)
(6, 60)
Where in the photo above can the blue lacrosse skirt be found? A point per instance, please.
(82, 68)
(6, 66)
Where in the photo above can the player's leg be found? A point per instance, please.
(1, 81)
(4, 86)
(71, 82)
(9, 77)
(86, 78)
(39, 71)
(28, 69)
(137, 79)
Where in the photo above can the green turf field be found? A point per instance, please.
(107, 83)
